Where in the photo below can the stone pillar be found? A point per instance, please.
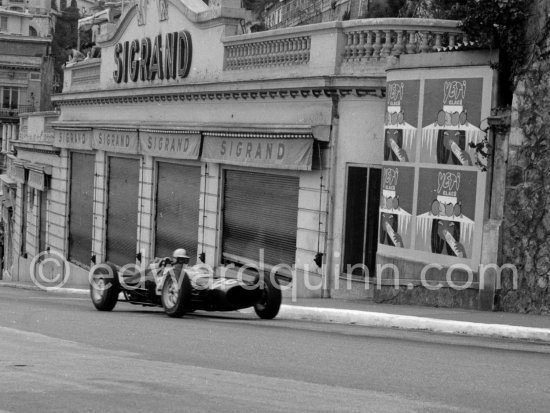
(491, 251)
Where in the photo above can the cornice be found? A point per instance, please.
(253, 94)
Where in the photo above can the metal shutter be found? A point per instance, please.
(42, 221)
(177, 210)
(260, 212)
(81, 207)
(122, 210)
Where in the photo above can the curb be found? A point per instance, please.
(383, 320)
(32, 287)
(371, 319)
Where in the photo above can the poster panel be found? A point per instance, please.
(396, 205)
(445, 221)
(400, 126)
(451, 122)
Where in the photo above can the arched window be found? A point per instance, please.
(32, 31)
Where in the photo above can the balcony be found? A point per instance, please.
(14, 112)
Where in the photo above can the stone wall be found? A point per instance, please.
(526, 237)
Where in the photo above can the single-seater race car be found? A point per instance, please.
(179, 289)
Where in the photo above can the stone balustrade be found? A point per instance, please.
(293, 50)
(364, 41)
(380, 38)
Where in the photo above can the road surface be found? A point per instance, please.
(58, 354)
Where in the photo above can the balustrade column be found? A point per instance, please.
(411, 44)
(386, 51)
(399, 46)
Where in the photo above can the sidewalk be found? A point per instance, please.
(365, 313)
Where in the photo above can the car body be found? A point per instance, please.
(180, 289)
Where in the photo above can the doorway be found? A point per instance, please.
(361, 225)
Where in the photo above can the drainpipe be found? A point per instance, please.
(331, 185)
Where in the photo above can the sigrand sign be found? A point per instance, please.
(261, 153)
(73, 138)
(122, 141)
(170, 145)
(145, 60)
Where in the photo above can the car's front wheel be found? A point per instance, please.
(269, 303)
(176, 295)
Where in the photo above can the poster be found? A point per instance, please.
(396, 206)
(451, 121)
(400, 126)
(446, 211)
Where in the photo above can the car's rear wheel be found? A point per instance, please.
(269, 303)
(176, 295)
(104, 287)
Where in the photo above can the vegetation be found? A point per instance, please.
(65, 35)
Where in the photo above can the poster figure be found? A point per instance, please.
(446, 209)
(401, 120)
(452, 113)
(396, 206)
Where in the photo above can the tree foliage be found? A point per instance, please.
(65, 36)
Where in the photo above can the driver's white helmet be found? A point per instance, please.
(180, 253)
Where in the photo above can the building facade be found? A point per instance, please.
(272, 150)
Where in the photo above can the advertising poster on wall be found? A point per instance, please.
(396, 206)
(446, 211)
(401, 121)
(451, 121)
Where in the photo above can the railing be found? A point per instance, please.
(383, 38)
(268, 53)
(345, 46)
(14, 112)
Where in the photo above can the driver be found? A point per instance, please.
(180, 260)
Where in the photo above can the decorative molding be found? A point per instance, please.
(290, 93)
(259, 135)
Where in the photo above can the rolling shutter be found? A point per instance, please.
(42, 221)
(122, 210)
(260, 212)
(81, 207)
(177, 211)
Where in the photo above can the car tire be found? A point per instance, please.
(176, 298)
(105, 297)
(269, 303)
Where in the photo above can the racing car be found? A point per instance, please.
(179, 289)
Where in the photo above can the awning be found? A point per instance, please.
(73, 138)
(274, 151)
(120, 140)
(170, 143)
(19, 174)
(37, 180)
(7, 180)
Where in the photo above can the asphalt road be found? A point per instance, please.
(57, 354)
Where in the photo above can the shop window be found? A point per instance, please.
(81, 208)
(361, 227)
